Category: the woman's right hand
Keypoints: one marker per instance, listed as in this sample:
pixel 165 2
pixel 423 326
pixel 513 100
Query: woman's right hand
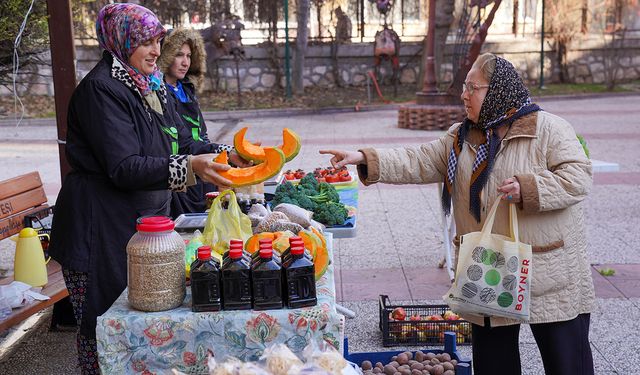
pixel 342 158
pixel 205 168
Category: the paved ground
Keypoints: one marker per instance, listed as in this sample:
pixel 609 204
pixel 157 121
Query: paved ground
pixel 398 244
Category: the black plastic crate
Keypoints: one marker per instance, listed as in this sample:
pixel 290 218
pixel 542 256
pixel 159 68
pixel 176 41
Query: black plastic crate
pixel 418 330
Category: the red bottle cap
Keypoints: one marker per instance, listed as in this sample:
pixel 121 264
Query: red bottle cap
pixel 266 253
pixel 235 242
pixel 204 252
pixel 295 239
pixel 297 250
pixel 235 253
pixel 154 224
pixel 265 241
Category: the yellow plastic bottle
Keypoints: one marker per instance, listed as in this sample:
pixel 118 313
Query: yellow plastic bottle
pixel 29 264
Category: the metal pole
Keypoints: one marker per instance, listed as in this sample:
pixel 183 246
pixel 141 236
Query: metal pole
pixel 429 82
pixel 361 21
pixel 287 66
pixel 63 55
pixel 542 49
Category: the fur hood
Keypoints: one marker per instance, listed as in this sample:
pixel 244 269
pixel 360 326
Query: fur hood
pixel 172 44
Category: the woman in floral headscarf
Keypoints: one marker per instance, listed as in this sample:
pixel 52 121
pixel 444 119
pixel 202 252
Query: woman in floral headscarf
pixel 508 148
pixel 120 126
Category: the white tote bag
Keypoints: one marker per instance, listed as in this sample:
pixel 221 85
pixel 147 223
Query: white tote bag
pixel 493 277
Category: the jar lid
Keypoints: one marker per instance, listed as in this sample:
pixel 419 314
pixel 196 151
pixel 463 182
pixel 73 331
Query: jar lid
pixel 154 224
pixel 235 242
pixel 297 250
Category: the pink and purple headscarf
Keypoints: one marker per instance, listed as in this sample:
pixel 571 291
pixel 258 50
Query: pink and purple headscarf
pixel 121 28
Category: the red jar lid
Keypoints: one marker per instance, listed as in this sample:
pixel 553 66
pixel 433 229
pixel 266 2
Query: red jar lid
pixel 297 250
pixel 235 242
pixel 154 224
pixel 235 253
pixel 204 252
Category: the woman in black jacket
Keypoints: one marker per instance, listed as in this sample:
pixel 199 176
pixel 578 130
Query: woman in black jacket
pixel 183 63
pixel 122 165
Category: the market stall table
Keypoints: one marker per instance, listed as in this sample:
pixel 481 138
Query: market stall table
pixel 131 341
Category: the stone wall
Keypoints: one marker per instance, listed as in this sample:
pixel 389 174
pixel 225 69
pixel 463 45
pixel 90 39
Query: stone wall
pixel 590 61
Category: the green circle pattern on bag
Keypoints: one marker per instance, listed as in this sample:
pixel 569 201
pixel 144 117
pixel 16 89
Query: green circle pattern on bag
pixel 487 273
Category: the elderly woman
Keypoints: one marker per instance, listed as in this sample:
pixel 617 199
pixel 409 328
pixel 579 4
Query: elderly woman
pixel 122 166
pixel 183 62
pixel 508 148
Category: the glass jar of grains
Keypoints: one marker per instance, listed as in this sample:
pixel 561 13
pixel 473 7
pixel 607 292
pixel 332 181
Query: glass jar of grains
pixel 155 264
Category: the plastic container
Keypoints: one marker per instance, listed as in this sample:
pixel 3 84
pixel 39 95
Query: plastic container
pixel 421 330
pixel 155 263
pixel 206 289
pixel 266 281
pixel 300 280
pixel 236 282
pixel 463 367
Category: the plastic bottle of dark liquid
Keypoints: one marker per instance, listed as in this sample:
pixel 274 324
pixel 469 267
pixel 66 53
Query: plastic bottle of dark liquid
pixel 234 243
pixel 300 279
pixel 287 253
pixel 255 257
pixel 236 281
pixel 266 280
pixel 205 283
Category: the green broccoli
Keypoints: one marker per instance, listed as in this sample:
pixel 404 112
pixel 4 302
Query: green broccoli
pixel 330 213
pixel 327 193
pixel 309 181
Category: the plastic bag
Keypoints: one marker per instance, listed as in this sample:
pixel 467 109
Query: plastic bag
pixel 191 251
pixel 223 224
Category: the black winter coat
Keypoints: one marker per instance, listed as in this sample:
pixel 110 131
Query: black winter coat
pixel 120 160
pixel 195 128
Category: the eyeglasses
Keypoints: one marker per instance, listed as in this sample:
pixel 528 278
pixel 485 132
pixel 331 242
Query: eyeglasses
pixel 472 87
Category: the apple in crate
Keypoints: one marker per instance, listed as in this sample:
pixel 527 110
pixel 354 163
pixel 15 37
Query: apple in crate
pixel 399 314
pixel 450 315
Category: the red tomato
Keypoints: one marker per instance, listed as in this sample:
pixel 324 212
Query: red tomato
pixel 331 178
pixel 289 176
pixel 344 178
pixel 299 174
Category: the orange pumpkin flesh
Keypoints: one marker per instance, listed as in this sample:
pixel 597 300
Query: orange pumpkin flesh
pixel 248 151
pixel 274 160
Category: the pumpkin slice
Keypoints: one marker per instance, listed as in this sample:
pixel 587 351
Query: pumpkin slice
pixel 311 241
pixel 320 236
pixel 248 151
pixel 273 162
pixel 321 262
pixel 291 144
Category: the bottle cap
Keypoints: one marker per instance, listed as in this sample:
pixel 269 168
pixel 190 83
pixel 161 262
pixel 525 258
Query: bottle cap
pixel 154 224
pixel 268 241
pixel 297 250
pixel 295 239
pixel 266 253
pixel 204 252
pixel 235 253
pixel 235 242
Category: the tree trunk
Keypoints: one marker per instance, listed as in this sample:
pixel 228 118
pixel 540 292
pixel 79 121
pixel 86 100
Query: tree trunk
pixel 455 89
pixel 302 16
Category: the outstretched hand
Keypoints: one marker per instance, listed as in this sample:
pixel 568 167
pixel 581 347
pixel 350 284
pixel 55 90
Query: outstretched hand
pixel 342 158
pixel 205 168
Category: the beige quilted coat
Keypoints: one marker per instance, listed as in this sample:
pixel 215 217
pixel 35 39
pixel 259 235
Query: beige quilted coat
pixel 542 151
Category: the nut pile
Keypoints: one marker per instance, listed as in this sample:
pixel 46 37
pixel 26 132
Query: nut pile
pixel 406 364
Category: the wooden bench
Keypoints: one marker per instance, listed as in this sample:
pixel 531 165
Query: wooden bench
pixel 23 200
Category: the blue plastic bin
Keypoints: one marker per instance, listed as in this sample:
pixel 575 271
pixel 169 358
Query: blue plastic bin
pixel 463 367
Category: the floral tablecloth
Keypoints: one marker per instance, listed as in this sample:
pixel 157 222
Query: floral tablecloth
pixel 131 341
